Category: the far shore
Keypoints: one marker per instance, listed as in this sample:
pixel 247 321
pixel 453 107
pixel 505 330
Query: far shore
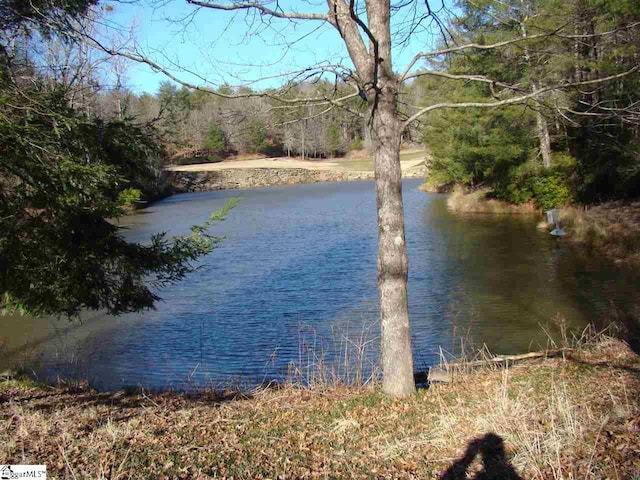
pixel 409 159
pixel 268 172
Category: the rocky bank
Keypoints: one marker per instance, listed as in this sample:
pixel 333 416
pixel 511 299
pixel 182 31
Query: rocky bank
pixel 229 179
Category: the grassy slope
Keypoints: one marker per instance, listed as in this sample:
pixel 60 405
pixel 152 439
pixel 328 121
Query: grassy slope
pixel 557 418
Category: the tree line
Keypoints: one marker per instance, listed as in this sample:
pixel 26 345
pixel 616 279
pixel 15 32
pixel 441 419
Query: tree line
pixel 197 127
pixel 578 145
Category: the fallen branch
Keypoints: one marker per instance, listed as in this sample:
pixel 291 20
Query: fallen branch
pixel 444 374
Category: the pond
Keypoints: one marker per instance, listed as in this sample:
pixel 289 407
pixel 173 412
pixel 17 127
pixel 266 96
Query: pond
pixel 295 281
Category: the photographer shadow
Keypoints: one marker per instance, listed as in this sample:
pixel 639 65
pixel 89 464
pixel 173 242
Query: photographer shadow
pixel 494 461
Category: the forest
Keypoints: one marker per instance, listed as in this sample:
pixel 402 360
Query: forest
pixel 575 146
pixel 578 145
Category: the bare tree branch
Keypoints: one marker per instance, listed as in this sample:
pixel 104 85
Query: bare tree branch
pixel 309 117
pixel 138 57
pixel 260 8
pixel 473 78
pixel 469 46
pixel 477 46
pixel 340 17
pixel 515 100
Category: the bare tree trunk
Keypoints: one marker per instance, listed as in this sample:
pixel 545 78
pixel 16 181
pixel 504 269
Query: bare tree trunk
pixel 543 128
pixel 303 127
pixel 397 359
pixel 544 139
pixel 384 130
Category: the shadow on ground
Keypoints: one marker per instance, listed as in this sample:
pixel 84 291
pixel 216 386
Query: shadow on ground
pixel 495 464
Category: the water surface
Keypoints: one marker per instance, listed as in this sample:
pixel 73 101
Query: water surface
pixel 296 276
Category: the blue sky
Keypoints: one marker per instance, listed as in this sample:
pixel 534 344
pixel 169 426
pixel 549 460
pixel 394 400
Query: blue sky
pixel 215 44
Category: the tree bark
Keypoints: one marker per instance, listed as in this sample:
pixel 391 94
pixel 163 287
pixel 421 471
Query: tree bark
pixel 543 128
pixel 544 139
pixel 385 134
pixel 385 129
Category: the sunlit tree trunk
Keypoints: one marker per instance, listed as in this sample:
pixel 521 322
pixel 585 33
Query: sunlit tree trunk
pixel 544 139
pixel 397 361
pixel 385 134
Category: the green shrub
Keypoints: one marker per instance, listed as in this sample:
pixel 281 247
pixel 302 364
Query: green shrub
pixel 334 140
pixel 129 197
pixel 258 137
pixel 547 188
pixel 551 190
pixel 563 161
pixel 356 144
pixel 517 191
pixel 215 141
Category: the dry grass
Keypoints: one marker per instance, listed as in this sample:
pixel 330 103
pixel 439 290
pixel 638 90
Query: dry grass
pixel 432 187
pixel 354 361
pixel 613 228
pixel 405 149
pixel 559 418
pixel 477 202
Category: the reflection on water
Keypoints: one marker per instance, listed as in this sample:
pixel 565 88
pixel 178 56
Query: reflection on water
pixel 298 272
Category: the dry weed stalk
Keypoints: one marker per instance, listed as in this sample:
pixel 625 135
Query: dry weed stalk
pixel 350 359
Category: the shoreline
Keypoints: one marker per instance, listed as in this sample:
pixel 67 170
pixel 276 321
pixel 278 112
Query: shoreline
pixel 267 172
pixel 243 179
pixel 579 412
pixel 611 228
pixel 476 201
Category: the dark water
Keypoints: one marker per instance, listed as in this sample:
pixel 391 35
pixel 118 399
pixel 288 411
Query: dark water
pixel 297 277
